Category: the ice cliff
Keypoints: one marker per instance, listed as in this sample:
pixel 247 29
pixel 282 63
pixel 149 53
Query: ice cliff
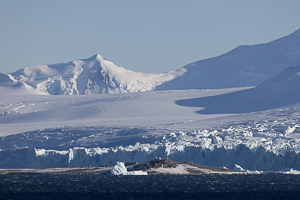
pixel 265 145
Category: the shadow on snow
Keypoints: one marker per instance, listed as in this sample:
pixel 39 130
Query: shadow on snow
pixel 250 100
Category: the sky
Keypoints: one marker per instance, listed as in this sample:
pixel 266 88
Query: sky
pixel 146 36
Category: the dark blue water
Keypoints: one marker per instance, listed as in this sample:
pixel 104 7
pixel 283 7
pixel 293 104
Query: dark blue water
pixel 96 186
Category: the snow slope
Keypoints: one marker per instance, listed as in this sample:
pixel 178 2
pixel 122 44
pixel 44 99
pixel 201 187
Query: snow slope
pixel 280 90
pixel 8 84
pixel 247 65
pixel 94 75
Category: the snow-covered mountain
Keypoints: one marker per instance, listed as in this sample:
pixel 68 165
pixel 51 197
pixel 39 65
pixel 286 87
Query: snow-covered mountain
pixel 240 67
pixel 94 75
pixel 243 66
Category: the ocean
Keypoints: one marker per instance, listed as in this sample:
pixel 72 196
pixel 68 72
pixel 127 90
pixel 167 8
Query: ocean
pixel 98 186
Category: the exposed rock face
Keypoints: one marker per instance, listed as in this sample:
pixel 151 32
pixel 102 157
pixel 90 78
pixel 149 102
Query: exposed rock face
pixel 157 163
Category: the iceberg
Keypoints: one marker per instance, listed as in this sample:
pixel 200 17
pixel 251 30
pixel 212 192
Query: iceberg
pixel 120 169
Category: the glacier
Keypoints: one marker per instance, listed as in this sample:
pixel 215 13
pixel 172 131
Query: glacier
pixel 262 145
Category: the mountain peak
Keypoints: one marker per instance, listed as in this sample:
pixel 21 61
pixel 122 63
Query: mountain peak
pixel 93 75
pixel 95 57
pixel 98 56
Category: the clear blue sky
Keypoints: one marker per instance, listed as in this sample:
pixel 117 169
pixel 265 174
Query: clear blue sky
pixel 148 36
